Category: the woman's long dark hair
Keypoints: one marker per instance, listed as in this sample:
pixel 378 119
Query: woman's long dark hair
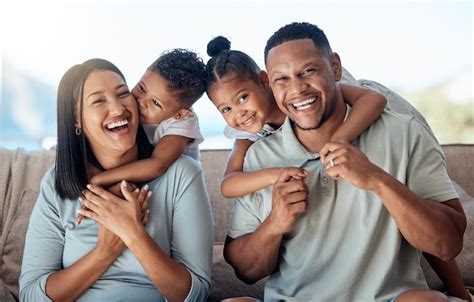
pixel 73 151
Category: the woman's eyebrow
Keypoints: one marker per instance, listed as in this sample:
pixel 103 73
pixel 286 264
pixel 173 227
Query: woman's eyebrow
pixel 102 91
pixel 94 93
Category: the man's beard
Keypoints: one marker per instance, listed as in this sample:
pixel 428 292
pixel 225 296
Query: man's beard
pixel 326 115
pixel 317 126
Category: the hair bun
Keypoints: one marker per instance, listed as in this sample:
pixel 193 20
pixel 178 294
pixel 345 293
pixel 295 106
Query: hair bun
pixel 216 45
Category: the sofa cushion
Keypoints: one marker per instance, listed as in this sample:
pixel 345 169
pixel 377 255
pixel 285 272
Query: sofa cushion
pixel 213 163
pixel 460 165
pixel 465 259
pixel 21 174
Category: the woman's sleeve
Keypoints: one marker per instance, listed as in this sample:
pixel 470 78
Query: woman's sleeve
pixel 193 229
pixel 44 244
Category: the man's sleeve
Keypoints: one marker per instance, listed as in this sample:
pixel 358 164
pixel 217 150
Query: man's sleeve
pixel 246 215
pixel 427 174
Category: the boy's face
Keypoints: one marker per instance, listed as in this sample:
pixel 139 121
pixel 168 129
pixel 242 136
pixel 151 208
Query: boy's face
pixel 157 101
pixel 244 104
pixel 303 80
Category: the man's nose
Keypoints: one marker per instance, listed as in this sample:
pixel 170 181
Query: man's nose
pixel 297 86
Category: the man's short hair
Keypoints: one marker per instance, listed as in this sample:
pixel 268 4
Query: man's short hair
pixel 296 31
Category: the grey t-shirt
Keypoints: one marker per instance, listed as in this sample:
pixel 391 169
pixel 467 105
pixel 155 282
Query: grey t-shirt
pixel 346 247
pixel 180 221
pixel 232 133
pixel 187 127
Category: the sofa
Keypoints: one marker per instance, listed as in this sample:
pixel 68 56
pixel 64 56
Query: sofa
pixel 21 172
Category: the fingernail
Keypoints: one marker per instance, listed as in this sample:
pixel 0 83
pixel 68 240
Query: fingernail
pixel 148 211
pixel 80 199
pixel 136 190
pixel 145 187
pixel 149 193
pixel 124 183
pixel 89 186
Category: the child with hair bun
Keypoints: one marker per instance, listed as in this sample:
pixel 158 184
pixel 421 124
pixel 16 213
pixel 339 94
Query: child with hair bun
pixel 240 90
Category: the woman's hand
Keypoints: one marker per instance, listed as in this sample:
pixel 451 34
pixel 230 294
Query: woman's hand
pixel 116 190
pixel 120 216
pixel 109 243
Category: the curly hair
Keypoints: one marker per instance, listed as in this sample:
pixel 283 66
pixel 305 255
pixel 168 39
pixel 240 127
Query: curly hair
pixel 184 70
pixel 296 31
pixel 225 62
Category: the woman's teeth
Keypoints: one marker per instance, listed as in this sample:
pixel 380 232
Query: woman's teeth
pixel 113 125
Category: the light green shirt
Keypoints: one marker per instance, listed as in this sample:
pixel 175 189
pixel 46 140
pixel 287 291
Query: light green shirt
pixel 346 247
pixel 180 221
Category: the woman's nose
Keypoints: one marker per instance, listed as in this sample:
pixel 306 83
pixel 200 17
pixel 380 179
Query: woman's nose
pixel 117 107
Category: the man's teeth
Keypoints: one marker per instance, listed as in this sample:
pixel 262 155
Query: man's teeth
pixel 117 124
pixel 304 105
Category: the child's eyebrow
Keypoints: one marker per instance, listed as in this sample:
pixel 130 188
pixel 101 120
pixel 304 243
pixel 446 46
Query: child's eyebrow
pixel 237 93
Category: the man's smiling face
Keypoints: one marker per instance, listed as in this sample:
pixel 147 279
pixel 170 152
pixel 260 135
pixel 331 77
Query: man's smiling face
pixel 303 80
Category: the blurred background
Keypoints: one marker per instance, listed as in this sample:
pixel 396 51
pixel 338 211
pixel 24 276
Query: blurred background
pixel 423 50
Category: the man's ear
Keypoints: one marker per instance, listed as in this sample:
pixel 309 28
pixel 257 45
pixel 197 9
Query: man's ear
pixel 336 66
pixel 182 113
pixel 263 78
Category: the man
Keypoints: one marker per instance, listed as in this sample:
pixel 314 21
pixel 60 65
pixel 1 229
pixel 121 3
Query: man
pixel 354 228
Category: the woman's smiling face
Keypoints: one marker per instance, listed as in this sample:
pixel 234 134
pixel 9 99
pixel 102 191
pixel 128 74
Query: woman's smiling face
pixel 109 113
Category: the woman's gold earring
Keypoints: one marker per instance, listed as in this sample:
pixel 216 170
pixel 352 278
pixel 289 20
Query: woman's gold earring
pixel 78 131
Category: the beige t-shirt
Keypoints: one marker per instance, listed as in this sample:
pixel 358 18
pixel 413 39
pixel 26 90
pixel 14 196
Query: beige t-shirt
pixel 346 247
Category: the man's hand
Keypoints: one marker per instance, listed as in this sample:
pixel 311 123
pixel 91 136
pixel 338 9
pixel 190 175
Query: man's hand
pixel 289 199
pixel 342 160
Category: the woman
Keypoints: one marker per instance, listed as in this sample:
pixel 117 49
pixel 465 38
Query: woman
pixel 118 254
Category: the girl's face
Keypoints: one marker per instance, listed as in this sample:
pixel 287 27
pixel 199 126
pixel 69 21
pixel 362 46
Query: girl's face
pixel 110 115
pixel 244 104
